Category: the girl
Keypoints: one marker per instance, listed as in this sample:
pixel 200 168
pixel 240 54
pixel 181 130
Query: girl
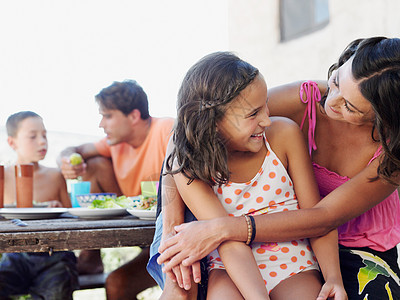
pixel 353 133
pixel 225 138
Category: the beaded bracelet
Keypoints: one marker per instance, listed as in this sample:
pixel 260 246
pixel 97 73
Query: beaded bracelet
pixel 249 229
pixel 253 228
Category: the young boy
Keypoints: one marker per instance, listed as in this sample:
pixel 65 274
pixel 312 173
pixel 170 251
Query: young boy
pixel 38 274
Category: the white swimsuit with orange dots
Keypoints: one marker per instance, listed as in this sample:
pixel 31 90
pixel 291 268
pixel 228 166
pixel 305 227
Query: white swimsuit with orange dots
pixel 270 191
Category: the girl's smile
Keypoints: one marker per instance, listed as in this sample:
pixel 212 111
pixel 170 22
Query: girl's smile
pixel 246 118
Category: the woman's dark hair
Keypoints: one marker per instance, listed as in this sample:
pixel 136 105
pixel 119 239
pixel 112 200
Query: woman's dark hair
pixel 124 96
pixel 208 86
pixel 376 67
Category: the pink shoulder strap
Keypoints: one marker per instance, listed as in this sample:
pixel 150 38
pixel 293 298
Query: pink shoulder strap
pixel 310 90
pixel 376 154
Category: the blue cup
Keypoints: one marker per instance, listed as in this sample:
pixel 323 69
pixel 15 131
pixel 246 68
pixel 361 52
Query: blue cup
pixel 79 188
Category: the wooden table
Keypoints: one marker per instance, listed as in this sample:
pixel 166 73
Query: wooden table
pixel 72 233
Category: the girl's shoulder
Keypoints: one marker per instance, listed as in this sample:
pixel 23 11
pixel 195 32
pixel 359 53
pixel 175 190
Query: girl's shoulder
pixel 281 127
pixel 282 135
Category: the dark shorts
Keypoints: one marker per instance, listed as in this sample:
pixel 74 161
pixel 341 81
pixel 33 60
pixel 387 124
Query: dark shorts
pixel 38 274
pixel 370 274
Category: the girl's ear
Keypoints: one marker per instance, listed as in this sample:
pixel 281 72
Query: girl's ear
pixel 11 142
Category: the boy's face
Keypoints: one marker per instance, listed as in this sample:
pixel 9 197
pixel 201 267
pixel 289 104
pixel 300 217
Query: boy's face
pixel 30 143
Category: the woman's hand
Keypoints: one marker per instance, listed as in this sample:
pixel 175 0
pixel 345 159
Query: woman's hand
pixel 192 242
pixel 332 290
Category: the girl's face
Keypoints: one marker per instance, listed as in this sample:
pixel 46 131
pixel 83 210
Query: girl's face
pixel 246 118
pixel 345 101
pixel 30 143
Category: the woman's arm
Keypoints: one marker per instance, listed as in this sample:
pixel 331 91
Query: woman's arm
pixel 343 204
pixel 348 201
pixel 237 257
pixel 173 213
pixel 284 100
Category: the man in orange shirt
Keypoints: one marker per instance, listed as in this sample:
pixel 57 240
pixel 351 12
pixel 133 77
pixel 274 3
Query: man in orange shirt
pixel 132 151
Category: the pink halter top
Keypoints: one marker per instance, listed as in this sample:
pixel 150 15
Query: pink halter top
pixel 379 227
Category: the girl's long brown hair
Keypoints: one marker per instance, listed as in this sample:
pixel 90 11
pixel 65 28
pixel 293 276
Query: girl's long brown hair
pixel 208 86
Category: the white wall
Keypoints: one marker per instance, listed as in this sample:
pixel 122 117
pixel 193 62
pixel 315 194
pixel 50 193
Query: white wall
pixel 254 35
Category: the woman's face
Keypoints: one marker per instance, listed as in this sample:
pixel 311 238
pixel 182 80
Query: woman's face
pixel 345 101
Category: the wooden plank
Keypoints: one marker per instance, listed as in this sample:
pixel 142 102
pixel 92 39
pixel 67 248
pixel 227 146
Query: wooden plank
pixel 73 223
pixel 76 239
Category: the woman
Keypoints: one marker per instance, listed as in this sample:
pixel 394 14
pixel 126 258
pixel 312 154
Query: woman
pixel 355 148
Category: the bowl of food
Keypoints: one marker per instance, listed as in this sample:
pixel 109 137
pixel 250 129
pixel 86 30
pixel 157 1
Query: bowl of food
pixel 84 200
pixel 144 207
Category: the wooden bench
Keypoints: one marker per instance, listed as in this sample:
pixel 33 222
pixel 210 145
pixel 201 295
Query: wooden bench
pixel 92 281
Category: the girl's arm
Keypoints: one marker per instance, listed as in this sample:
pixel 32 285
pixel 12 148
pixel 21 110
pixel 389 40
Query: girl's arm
pixel 291 141
pixel 237 257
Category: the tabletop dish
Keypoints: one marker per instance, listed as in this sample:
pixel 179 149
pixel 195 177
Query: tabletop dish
pixel 143 214
pixel 32 213
pixel 84 200
pixel 96 213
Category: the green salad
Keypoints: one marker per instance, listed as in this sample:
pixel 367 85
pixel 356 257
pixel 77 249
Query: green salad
pixel 109 202
pixel 139 202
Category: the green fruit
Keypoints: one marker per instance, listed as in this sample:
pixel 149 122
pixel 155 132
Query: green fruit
pixel 75 159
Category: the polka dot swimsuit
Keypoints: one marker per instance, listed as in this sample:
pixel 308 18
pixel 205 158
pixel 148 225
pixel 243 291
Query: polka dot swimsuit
pixel 270 191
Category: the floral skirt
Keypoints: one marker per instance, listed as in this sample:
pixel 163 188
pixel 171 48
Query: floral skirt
pixel 369 274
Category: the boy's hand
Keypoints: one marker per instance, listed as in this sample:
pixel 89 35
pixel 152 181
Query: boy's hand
pixel 70 171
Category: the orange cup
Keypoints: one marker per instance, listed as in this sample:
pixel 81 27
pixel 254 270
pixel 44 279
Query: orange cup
pixel 24 185
pixel 1 186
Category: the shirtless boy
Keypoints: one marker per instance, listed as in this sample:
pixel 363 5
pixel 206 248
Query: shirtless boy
pixel 38 274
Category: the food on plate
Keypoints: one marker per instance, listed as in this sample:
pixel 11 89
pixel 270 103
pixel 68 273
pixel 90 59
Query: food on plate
pixel 139 202
pixel 75 159
pixel 109 202
pixel 145 202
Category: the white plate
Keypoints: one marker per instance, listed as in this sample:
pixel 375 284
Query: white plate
pixel 142 213
pixel 32 213
pixel 84 212
pixel 35 204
